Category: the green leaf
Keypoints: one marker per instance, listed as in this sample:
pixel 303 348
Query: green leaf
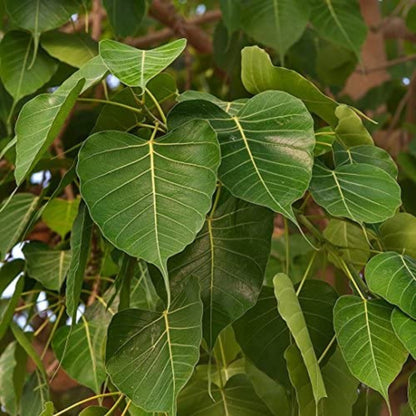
pixel 94 411
pixel 411 392
pixel 16 50
pixel 290 310
pixel 277 24
pixel 150 197
pixel 125 16
pixel 393 277
pixel 361 192
pixel 399 234
pixel 324 137
pixel 405 328
pixel 350 129
pixel 259 74
pixel 35 395
pixel 340 21
pixel 7 307
pixel 38 16
pixel 48 409
pixel 80 244
pixel 150 356
pixel 231 14
pixel 47 266
pixel 10 363
pixel 59 215
pixel 267 147
pixel 75 49
pixel 236 398
pixel 136 67
pixel 48 113
pixel 229 257
pixel 350 241
pixel 9 271
pixel 80 351
pixel 368 343
pixel 370 155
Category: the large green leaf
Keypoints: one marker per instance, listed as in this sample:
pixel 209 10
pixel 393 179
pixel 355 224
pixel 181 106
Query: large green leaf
pixel 393 277
pixel 361 192
pixel 368 343
pixel 125 16
pixel 80 244
pixel 80 351
pixel 150 356
pixel 405 329
pixel 229 257
pixel 38 16
pixel 264 336
pixel 340 21
pixel 75 49
pixel 399 234
pixel 236 398
pixel 9 271
pixel 350 241
pixel 47 112
pixel 259 74
pixel 277 24
pixel 136 67
pixel 16 49
pixel 14 218
pixel 59 215
pixel 47 266
pixel 267 147
pixel 290 310
pixel 35 395
pixel 150 197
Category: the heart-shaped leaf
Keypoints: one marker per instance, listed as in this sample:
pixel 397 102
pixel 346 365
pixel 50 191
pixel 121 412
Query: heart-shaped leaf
pixel 393 277
pixel 259 74
pixel 291 311
pixel 361 192
pixel 368 343
pixel 136 67
pixel 229 257
pixel 267 147
pixel 151 352
pixel 150 197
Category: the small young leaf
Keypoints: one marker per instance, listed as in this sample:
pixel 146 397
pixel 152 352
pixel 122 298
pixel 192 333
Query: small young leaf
pixel 136 67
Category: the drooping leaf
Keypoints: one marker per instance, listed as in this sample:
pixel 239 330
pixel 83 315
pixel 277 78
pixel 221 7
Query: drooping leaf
pixel 291 311
pixel 11 361
pixel 35 395
pixel 350 241
pixel 80 244
pixel 229 257
pixel 259 74
pixel 150 197
pixel 7 307
pixel 83 358
pixel 151 352
pixel 405 328
pixel 361 192
pixel 350 129
pixel 59 215
pixel 368 343
pixel 370 155
pixel 231 14
pixel 9 271
pixel 267 147
pixel 411 392
pixel 277 24
pixel 393 277
pixel 136 67
pixel 47 112
pixel 38 16
pixel 399 234
pixel 236 398
pixel 125 15
pixel 340 21
pixel 75 49
pixel 16 50
pixel 47 266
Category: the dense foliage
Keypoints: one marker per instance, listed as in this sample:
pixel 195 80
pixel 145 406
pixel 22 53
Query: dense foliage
pixel 200 215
